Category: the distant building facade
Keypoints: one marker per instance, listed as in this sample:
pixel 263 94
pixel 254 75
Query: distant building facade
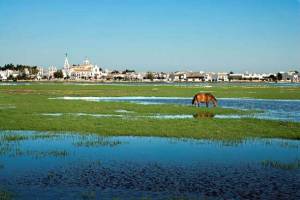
pixel 86 70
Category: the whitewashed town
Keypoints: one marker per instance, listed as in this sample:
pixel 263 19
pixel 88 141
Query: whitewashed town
pixel 91 72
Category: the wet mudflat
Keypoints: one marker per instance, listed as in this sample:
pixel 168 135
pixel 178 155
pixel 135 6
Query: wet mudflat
pixel 72 166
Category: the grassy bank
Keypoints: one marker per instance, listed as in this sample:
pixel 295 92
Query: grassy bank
pixel 22 108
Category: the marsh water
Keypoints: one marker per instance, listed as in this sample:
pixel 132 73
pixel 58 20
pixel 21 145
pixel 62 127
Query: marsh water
pixel 38 165
pixel 285 110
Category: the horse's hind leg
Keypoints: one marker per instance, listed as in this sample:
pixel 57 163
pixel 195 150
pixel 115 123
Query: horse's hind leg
pixel 206 104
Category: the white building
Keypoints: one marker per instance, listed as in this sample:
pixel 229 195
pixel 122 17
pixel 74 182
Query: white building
pixel 3 76
pixel 210 77
pixel 222 76
pixel 66 68
pixel 86 70
pixel 178 76
pixel 40 73
pixel 195 77
pixel 49 73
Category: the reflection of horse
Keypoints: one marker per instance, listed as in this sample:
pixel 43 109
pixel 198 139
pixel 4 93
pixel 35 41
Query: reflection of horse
pixel 204 98
pixel 201 115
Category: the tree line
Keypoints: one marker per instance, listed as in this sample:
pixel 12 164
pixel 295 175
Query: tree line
pixel 31 72
pixel 18 67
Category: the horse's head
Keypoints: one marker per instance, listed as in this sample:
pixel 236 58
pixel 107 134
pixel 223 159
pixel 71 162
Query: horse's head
pixel 215 102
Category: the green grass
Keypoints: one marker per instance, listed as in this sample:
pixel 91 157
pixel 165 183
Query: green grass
pixel 13 138
pixel 5 195
pixel 280 165
pixel 219 90
pixel 32 101
pixel 98 142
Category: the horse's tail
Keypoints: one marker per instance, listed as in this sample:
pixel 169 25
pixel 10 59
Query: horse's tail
pixel 194 99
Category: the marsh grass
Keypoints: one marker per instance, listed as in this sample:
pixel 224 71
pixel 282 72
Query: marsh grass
pixel 5 195
pixel 42 154
pixel 289 145
pixel 88 195
pixel 43 136
pixel 8 137
pixel 4 148
pixel 281 165
pixel 219 90
pixel 13 150
pixel 14 138
pixel 97 143
pixel 33 100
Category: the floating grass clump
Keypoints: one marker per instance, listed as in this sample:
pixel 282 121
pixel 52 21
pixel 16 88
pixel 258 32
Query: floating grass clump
pixel 98 142
pixel 7 137
pixel 280 165
pixel 41 154
pixel 5 195
pixel 14 138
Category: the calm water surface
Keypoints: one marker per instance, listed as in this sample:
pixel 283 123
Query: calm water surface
pixel 36 165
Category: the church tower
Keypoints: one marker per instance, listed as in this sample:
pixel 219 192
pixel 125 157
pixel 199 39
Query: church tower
pixel 66 65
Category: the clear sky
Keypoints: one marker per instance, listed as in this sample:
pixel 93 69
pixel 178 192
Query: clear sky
pixel 153 35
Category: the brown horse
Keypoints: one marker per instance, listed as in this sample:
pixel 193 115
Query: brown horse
pixel 204 98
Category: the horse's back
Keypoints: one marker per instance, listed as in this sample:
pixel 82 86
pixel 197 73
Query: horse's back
pixel 201 97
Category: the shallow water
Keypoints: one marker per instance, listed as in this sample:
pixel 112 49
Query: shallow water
pixel 71 166
pixel 157 116
pixel 285 110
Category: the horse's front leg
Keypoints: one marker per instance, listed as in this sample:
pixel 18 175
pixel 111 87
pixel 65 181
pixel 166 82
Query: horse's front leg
pixel 206 104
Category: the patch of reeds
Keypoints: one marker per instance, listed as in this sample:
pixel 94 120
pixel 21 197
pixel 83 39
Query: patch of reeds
pixel 281 165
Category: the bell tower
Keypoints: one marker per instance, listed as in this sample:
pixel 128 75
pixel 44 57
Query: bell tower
pixel 66 65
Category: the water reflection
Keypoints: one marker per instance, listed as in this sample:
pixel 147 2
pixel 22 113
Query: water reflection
pixel 201 115
pixel 73 166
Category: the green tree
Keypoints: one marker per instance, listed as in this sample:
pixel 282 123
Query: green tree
pixel 279 76
pixel 273 78
pixel 128 71
pixel 34 70
pixel 58 74
pixel 150 76
pixel 8 66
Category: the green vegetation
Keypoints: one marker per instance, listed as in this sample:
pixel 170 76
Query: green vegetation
pixel 58 74
pixel 41 154
pixel 32 101
pixel 219 90
pixel 16 138
pixel 98 142
pixel 5 195
pixel 26 72
pixel 88 195
pixel 11 138
pixel 280 165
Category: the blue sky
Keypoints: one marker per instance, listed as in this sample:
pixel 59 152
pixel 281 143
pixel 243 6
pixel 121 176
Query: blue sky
pixel 157 35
